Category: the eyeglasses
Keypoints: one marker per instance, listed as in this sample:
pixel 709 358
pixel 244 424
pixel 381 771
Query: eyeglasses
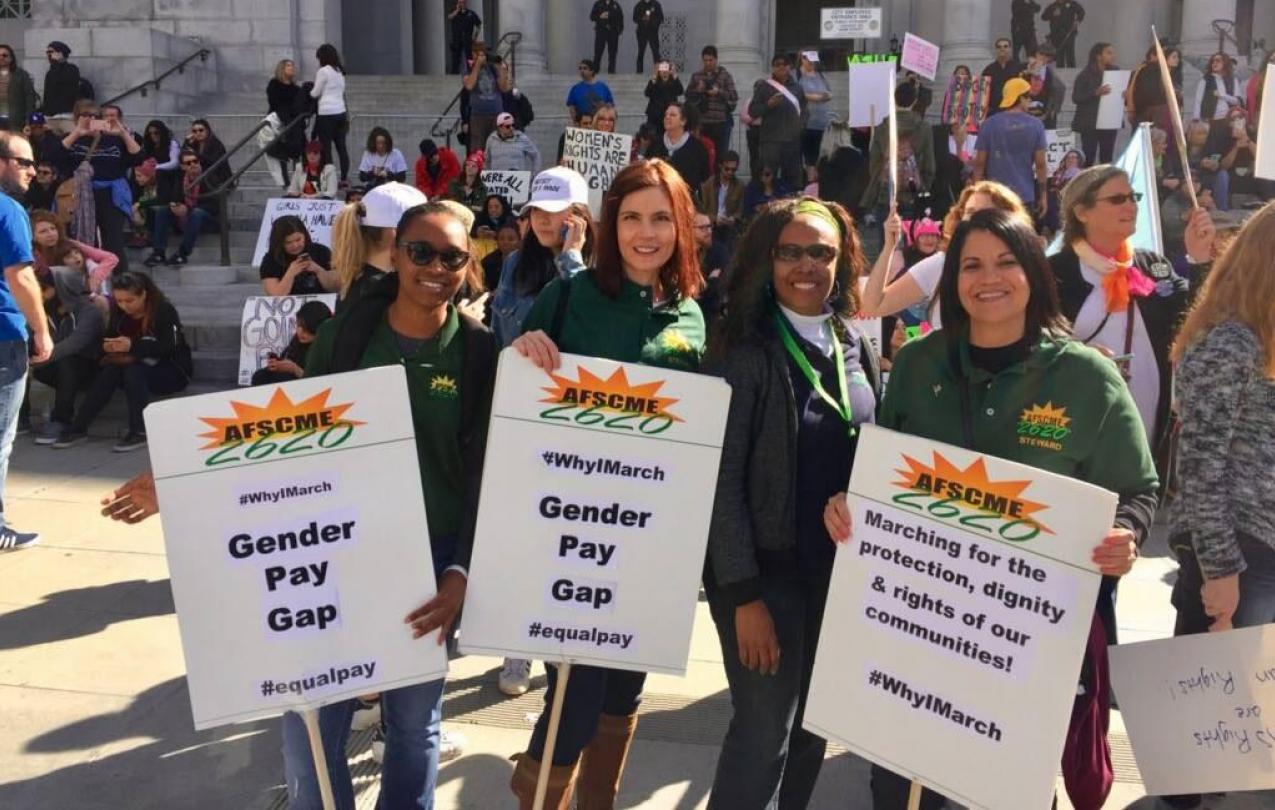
pixel 704 227
pixel 793 253
pixel 1121 199
pixel 423 254
pixel 25 163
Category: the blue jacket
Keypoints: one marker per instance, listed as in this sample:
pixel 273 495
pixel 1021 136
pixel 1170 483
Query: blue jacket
pixel 508 308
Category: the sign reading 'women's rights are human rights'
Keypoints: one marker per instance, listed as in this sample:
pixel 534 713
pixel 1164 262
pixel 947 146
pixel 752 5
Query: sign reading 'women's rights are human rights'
pixel 596 501
pixel 958 614
pixel 283 508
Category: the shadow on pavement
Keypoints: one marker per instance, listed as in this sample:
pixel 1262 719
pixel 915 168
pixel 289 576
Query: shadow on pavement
pixel 35 624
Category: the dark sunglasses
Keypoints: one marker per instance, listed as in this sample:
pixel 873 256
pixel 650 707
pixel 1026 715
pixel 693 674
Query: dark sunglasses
pixel 793 253
pixel 25 163
pixel 1121 199
pixel 423 254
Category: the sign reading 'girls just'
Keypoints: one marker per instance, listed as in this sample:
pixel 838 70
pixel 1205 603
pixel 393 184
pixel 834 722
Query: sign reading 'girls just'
pixel 596 501
pixel 283 507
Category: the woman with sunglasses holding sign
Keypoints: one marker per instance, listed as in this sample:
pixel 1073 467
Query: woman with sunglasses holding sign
pixel 803 378
pixel 408 319
pixel 635 305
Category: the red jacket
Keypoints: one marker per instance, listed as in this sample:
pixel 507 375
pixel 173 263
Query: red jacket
pixel 448 170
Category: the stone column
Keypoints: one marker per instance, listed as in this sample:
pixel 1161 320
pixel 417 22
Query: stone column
pixel 431 40
pixel 739 43
pixel 967 39
pixel 569 38
pixel 1198 37
pixel 528 17
pixel 1131 34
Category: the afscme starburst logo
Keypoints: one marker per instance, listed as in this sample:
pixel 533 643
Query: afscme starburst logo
pixel 280 426
pixel 611 402
pixel 948 490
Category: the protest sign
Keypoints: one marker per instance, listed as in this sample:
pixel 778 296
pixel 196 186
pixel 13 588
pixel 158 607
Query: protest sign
pixel 283 507
pixel 1058 143
pixel 1111 106
pixel 317 215
pixel 1265 166
pixel 958 614
pixel 871 92
pixel 599 157
pixel 513 186
pixel 268 324
pixel 849 23
pixel 1198 710
pixel 596 500
pixel 920 56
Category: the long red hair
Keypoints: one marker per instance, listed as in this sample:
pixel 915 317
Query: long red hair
pixel 682 274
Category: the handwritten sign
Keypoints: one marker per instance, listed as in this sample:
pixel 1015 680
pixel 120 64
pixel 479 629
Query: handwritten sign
pixel 283 508
pixel 920 56
pixel 318 216
pixel 1200 710
pixel 871 89
pixel 598 157
pixel 1265 166
pixel 267 327
pixel 1111 106
pixel 594 513
pixel 957 616
pixel 1058 142
pixel 515 187
pixel 849 23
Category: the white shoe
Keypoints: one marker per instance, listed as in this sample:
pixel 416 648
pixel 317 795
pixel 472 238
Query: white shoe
pixel 366 715
pixel 450 745
pixel 515 677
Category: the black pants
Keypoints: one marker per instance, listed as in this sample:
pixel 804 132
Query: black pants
pixel 67 377
pixel 1099 145
pixel 1066 46
pixel 811 140
pixel 264 376
pixel 139 382
pixel 753 138
pixel 591 693
pixel 331 130
pixel 784 157
pixel 1025 39
pixel 718 133
pixel 605 40
pixel 461 52
pixel 110 224
pixel 645 38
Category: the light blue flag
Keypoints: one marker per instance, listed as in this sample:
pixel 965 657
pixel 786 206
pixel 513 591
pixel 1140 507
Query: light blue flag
pixel 1138 161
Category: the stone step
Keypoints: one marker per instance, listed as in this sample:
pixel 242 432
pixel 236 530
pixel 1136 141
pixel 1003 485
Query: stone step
pixel 216 366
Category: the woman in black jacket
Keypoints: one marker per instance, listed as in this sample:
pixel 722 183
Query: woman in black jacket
pixel 663 89
pixel 803 377
pixel 286 99
pixel 680 146
pixel 21 99
pixel 1099 144
pixel 145 353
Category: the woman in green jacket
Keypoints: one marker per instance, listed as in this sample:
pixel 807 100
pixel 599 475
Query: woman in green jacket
pixel 637 305
pixel 1005 352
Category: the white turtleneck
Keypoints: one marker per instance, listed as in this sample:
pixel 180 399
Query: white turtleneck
pixel 812 328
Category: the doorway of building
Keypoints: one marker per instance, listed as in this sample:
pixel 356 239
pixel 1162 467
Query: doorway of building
pixel 797 29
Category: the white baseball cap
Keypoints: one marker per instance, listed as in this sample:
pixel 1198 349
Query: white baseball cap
pixel 557 189
pixel 810 56
pixel 386 203
pixel 504 118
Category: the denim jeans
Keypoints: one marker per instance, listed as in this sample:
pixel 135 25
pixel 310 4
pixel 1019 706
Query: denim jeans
pixel 139 381
pixel 591 693
pixel 195 222
pixel 413 716
pixel 767 759
pixel 13 388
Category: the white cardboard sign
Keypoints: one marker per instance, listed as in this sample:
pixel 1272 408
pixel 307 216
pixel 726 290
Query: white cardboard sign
pixel 1111 106
pixel 957 617
pixel 318 216
pixel 850 23
pixel 267 327
pixel 596 501
pixel 920 56
pixel 1265 165
pixel 599 156
pixel 871 89
pixel 1058 143
pixel 1200 710
pixel 514 186
pixel 283 509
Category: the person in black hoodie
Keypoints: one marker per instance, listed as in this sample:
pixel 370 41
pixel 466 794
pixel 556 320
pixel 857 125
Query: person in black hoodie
pixel 61 83
pixel 145 353
pixel 663 89
pixel 77 326
pixel 291 364
pixel 608 24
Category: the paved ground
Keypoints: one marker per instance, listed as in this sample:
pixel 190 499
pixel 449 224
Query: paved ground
pixel 94 711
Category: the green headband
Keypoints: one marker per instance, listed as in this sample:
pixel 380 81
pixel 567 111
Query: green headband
pixel 817 209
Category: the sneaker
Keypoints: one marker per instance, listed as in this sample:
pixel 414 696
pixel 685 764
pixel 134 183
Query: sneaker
pixel 378 743
pixel 49 433
pixel 366 714
pixel 157 257
pixel 177 260
pixel 16 541
pixel 515 677
pixel 450 745
pixel 133 440
pixel 70 438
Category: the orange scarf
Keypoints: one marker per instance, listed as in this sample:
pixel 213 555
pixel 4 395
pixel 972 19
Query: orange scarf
pixel 1120 279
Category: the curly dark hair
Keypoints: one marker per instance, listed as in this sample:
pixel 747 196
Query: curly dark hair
pixel 750 291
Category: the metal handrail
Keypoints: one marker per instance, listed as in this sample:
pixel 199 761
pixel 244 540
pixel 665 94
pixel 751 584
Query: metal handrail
pixel 222 192
pixel 202 55
pixel 510 38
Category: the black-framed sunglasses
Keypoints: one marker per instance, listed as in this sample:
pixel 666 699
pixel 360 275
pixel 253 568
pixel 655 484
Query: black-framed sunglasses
pixel 25 163
pixel 793 253
pixel 1121 199
pixel 423 254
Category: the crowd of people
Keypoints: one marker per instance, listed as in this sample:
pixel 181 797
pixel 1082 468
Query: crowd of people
pixel 770 284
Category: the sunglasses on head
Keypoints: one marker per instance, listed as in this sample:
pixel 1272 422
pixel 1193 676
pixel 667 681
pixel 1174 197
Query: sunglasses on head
pixel 423 254
pixel 792 253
